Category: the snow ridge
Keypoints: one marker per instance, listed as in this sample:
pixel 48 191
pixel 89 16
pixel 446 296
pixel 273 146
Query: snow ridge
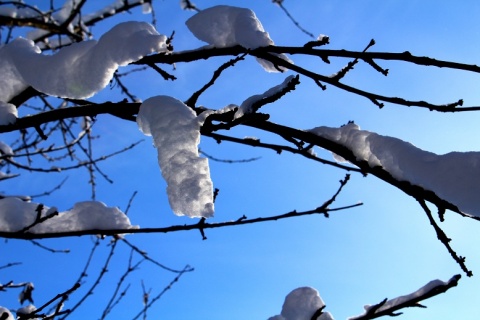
pixel 79 70
pixel 453 177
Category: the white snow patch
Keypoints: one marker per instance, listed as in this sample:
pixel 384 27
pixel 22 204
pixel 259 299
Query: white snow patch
pixel 409 297
pixel 176 133
pixel 301 304
pixel 79 70
pixel 16 214
pixel 9 314
pixel 26 310
pixel 226 26
pixel 8 112
pixel 18 12
pixel 454 177
pixel 5 149
pixel 246 106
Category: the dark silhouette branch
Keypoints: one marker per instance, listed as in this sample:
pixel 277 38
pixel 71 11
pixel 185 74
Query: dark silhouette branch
pixel 186 227
pixel 444 239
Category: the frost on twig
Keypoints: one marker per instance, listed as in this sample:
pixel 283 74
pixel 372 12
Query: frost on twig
pixel 176 133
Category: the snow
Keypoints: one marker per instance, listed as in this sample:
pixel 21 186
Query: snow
pixel 116 5
pixel 246 106
pixel 16 214
pixel 454 176
pixel 5 149
pixel 8 113
pixel 79 70
pixel 5 310
pixel 226 26
pixel 176 133
pixel 409 297
pixel 27 310
pixel 18 12
pixel 301 304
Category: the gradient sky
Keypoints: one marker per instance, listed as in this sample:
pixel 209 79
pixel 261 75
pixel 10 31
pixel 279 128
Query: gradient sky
pixel 385 248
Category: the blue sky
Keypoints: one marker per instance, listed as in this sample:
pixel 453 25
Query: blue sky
pixel 383 249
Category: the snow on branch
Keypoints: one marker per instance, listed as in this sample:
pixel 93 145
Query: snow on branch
pixel 453 177
pixel 388 307
pixel 303 303
pixel 79 70
pixel 20 216
pixel 226 26
pixel 253 103
pixel 176 133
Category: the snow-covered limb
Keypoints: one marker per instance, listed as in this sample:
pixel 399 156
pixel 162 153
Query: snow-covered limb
pixel 226 26
pixel 252 103
pixel 453 177
pixel 176 133
pixel 388 307
pixel 17 215
pixel 79 70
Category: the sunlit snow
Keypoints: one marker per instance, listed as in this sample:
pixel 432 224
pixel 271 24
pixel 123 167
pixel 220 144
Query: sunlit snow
pixel 176 133
pixel 9 315
pixel 226 26
pixel 8 113
pixel 454 177
pixel 246 106
pixel 79 70
pixel 16 214
pixel 409 297
pixel 301 304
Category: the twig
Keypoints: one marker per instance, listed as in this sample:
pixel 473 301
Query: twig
pixel 36 243
pixel 444 239
pixel 227 160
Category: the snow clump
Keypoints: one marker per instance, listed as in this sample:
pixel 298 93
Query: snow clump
pixel 79 70
pixel 226 26
pixel 301 304
pixel 176 134
pixel 16 215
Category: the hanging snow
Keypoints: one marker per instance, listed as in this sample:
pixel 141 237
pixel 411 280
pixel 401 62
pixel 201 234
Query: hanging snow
pixel 225 26
pixel 454 177
pixel 301 304
pixel 79 70
pixel 176 133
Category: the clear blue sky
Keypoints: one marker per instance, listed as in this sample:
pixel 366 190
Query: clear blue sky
pixel 383 249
